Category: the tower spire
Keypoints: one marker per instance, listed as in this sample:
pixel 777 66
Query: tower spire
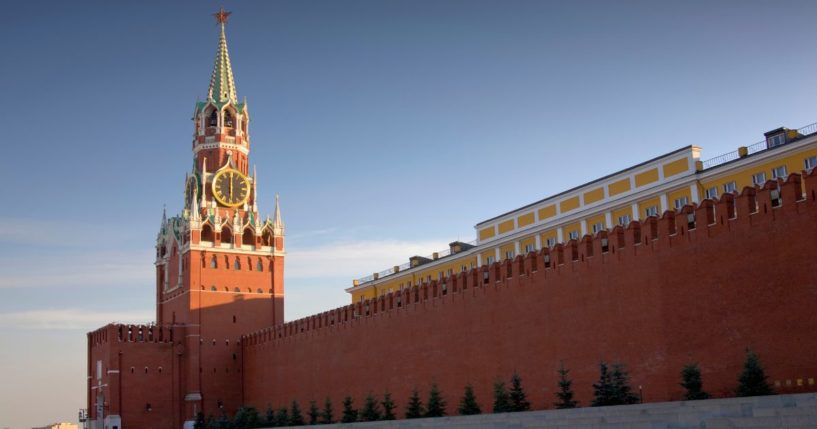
pixel 277 222
pixel 222 85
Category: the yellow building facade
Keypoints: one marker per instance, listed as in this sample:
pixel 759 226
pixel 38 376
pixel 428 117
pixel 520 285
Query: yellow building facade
pixel 650 188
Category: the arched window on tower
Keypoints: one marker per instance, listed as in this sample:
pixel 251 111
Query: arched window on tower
pixel 212 120
pixel 259 266
pixel 237 263
pixel 227 262
pixel 248 239
pixel 228 119
pixel 207 233
pixel 266 238
pixel 213 262
pixel 226 236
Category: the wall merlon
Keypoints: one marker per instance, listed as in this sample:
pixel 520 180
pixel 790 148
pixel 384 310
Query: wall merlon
pixel 687 226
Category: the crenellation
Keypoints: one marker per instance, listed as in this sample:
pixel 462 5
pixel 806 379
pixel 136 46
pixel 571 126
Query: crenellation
pixel 687 226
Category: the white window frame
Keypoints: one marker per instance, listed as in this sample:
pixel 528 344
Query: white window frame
pixel 651 211
pixel 712 192
pixel 509 254
pixel 624 220
pixel 529 248
pixel 810 162
pixel 598 227
pixel 550 242
pixel 777 140
pixel 757 176
pixel 681 202
pixel 490 260
pixel 573 235
pixel 730 187
pixel 777 170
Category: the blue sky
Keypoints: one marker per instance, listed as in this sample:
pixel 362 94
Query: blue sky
pixel 388 128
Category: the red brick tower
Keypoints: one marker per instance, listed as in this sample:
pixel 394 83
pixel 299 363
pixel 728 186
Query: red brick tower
pixel 219 275
pixel 219 266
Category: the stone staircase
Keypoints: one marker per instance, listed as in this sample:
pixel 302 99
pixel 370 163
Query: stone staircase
pixel 780 411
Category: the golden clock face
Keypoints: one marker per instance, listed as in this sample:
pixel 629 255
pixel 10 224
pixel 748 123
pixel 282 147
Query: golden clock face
pixel 231 188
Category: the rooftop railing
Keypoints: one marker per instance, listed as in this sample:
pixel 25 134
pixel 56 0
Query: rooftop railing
pixel 756 148
pixel 393 270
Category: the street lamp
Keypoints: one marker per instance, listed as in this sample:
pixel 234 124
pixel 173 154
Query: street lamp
pixel 82 416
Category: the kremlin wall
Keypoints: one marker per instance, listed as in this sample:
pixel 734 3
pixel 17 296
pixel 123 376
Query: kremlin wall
pixel 701 284
pixel 633 268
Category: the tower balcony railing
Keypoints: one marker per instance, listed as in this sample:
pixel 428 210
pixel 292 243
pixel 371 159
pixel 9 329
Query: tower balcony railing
pixel 758 147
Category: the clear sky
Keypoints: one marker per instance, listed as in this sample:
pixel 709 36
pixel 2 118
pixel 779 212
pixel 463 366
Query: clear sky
pixel 388 128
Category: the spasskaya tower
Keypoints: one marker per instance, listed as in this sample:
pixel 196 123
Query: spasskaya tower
pixel 219 275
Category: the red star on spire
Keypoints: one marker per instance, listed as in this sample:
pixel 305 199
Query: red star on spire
pixel 222 15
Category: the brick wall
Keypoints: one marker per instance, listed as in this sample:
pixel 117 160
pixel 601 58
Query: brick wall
pixel 699 285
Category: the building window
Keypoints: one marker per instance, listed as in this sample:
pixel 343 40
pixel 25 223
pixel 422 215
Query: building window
pixel 509 254
pixel 777 140
pixel 651 211
pixel 730 187
pixel 759 178
pixel 712 193
pixel 213 262
pixel 681 202
pixel 259 290
pixel 237 264
pixel 573 235
pixel 237 290
pixel 597 227
pixel 624 220
pixel 490 260
pixel 779 172
pixel 464 268
pixel 212 288
pixel 550 242
pixel 529 248
pixel 450 272
pixel 811 162
pixel 259 266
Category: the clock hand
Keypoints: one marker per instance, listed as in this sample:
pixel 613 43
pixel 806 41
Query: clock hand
pixel 231 186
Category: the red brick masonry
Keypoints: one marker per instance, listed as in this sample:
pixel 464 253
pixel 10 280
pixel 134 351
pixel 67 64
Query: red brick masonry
pixel 698 285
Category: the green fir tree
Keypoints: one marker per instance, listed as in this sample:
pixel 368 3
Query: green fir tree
pixel 565 393
pixel 468 403
pixel 349 413
pixel 246 418
pixel 371 409
pixel 622 392
pixel 313 413
pixel 295 416
pixel 327 415
pixel 502 401
pixel 603 391
pixel 282 417
pixel 753 380
pixel 519 400
pixel 414 409
pixel 201 422
pixel 211 423
pixel 692 382
pixel 388 407
pixel 436 403
pixel 270 416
